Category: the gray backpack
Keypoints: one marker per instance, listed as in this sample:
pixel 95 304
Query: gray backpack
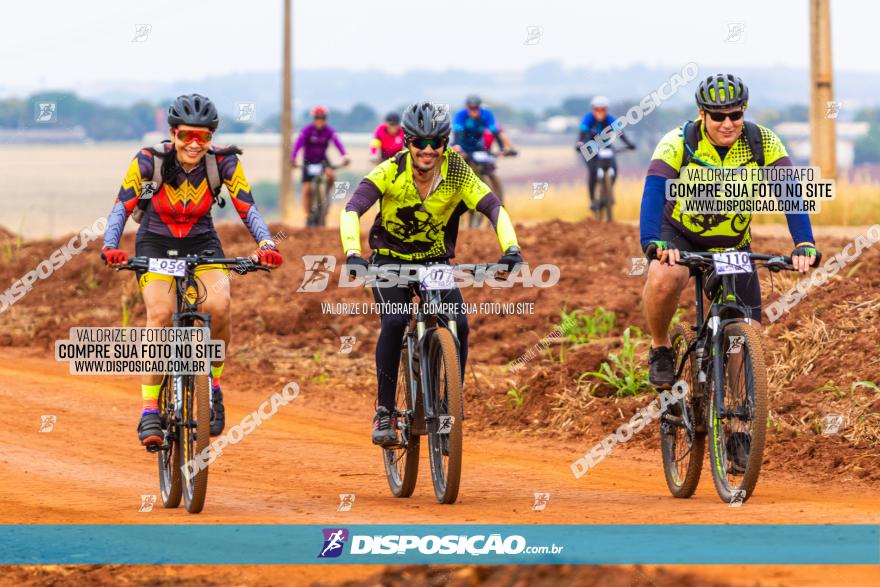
pixel 160 151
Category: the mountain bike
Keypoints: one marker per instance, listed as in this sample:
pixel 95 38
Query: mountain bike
pixel 602 202
pixel 429 393
pixel 722 362
pixel 321 193
pixel 483 163
pixel 185 400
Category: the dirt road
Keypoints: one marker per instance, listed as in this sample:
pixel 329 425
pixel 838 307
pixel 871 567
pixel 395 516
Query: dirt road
pixel 89 469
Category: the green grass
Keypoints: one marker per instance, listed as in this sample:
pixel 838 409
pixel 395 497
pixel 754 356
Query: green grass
pixel 623 371
pixel 580 327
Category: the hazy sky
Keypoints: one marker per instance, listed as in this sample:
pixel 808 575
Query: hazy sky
pixel 57 43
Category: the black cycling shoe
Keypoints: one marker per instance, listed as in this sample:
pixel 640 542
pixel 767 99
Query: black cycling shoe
pixel 739 444
pixel 150 429
pixel 661 368
pixel 218 412
pixel 384 427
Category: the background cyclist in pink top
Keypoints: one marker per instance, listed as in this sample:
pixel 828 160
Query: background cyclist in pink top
pixel 388 139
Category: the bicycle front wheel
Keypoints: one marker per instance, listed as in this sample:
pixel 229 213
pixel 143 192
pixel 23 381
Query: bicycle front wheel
pixel 195 438
pixel 738 426
pixel 445 431
pixel 169 457
pixel 402 461
pixel 607 195
pixel 682 428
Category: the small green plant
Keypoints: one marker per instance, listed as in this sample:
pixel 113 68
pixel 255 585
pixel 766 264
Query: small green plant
pixel 580 327
pixel 623 371
pixel 868 384
pixel 516 396
pixel 554 358
pixel 830 390
pixel 321 377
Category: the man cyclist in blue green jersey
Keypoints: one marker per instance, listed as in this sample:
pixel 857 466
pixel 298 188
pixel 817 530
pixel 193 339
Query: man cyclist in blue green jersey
pixel 722 138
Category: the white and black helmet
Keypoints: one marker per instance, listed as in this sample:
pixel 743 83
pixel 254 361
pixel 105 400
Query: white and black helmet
pixel 426 120
pixel 193 110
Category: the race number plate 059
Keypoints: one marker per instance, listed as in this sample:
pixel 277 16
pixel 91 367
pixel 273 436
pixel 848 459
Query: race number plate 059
pixel 173 267
pixel 315 168
pixel 732 262
pixel 437 277
pixel 481 156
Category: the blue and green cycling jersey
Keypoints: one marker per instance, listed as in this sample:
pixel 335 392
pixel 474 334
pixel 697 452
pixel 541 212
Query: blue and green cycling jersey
pixel 715 232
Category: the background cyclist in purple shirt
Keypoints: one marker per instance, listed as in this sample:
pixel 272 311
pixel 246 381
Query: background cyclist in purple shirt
pixel 313 140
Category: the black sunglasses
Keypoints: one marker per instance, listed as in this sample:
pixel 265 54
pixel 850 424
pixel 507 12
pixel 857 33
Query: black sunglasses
pixel 720 116
pixel 435 143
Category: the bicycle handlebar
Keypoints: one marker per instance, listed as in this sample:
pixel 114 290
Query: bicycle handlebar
pixel 240 265
pixel 774 263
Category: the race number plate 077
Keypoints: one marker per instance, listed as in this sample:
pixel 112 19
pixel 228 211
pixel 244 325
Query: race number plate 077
pixel 732 262
pixel 437 277
pixel 173 267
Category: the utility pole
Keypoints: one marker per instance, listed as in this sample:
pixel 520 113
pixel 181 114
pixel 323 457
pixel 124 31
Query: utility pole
pixel 285 196
pixel 823 140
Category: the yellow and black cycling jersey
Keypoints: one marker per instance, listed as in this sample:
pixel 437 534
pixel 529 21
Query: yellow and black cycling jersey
pixel 411 228
pixel 714 231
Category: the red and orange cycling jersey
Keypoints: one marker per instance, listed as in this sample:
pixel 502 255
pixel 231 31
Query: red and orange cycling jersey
pixel 182 206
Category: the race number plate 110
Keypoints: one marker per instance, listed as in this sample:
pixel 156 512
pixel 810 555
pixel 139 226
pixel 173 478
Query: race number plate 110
pixel 173 267
pixel 732 262
pixel 437 277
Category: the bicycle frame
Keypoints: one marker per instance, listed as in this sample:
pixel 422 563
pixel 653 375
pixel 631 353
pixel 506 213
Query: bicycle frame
pixel 186 316
pixel 713 330
pixel 416 343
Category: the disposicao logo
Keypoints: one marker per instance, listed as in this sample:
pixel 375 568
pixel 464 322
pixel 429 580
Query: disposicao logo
pixel 334 540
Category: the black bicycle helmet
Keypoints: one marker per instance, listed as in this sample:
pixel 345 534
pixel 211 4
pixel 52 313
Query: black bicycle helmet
pixel 392 118
pixel 721 92
pixel 473 100
pixel 426 120
pixel 193 110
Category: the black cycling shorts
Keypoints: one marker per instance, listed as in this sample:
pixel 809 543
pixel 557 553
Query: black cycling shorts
pixel 306 176
pixel 150 244
pixel 747 287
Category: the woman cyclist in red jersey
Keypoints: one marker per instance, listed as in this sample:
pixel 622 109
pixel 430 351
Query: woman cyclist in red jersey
pixel 178 216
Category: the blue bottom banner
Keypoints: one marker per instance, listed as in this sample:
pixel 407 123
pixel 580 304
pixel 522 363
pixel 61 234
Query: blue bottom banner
pixel 438 544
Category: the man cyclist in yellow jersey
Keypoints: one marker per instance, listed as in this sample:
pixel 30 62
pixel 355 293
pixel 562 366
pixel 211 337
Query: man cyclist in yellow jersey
pixel 719 137
pixel 422 193
pixel 178 217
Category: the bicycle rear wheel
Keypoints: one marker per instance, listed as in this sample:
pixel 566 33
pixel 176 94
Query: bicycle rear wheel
pixel 682 431
pixel 445 432
pixel 737 429
pixel 195 437
pixel 169 458
pixel 402 462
